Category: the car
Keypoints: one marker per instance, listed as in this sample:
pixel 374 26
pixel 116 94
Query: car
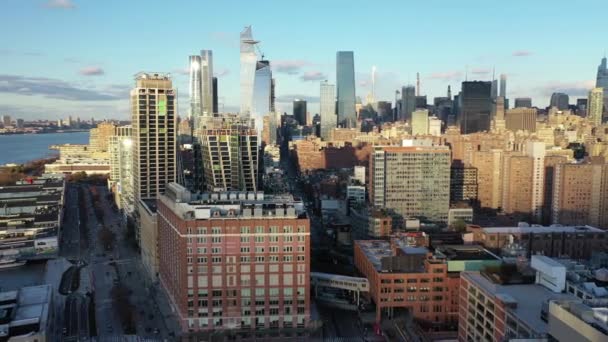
pixel 156 331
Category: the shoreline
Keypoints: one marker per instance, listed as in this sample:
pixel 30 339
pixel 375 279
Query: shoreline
pixel 43 132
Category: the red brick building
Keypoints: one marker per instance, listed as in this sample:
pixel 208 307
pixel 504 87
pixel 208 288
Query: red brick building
pixel 236 262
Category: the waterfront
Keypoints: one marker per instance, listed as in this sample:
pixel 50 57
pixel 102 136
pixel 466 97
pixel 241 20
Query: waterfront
pixel 21 148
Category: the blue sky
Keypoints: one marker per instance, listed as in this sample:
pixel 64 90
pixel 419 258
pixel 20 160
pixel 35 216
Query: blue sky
pixel 78 57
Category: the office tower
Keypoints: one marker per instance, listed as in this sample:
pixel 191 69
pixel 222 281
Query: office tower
pixel 408 102
pixel 521 118
pixel 476 107
pixel 559 100
pixel 503 85
pixel 248 68
pixel 595 106
pixel 345 89
pixel 206 70
pixel 327 109
pixel 299 111
pixel 229 152
pixel 463 183
pixel 420 122
pixel 494 89
pixel 385 111
pixel 443 107
pixel 536 151
pixel 6 120
pixel 498 120
pixel 523 102
pixel 580 194
pixel 99 137
pixel 435 126
pixel 421 102
pixel 215 90
pixel 602 78
pixel 121 169
pixel 261 94
pixel 272 95
pixel 414 181
pixel 154 125
pixel 243 265
pixel 581 107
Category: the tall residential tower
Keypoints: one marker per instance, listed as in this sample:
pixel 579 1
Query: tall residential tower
pixel 154 127
pixel 327 109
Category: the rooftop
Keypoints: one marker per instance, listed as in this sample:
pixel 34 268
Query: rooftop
pixel 464 252
pixel 524 301
pixel 527 229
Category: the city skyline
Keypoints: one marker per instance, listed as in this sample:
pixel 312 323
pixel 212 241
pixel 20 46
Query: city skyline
pixel 46 77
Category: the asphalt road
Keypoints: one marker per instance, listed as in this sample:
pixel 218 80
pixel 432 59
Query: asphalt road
pixel 76 318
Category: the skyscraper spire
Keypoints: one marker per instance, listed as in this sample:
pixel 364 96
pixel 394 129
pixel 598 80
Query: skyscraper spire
pixel 449 92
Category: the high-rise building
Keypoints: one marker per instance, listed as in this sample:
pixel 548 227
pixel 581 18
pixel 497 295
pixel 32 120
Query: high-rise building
pixel 345 89
pixel 560 100
pixel 20 123
pixel 524 102
pixel 243 265
pixel 215 103
pixel 327 109
pixel 602 79
pixel 595 106
pixel 521 118
pixel 269 134
pixel 248 68
pixel 261 94
pixel 206 71
pixel 408 102
pixel 421 102
pixel 420 122
pixel 154 127
pixel 414 181
pixel 196 94
pixel 476 106
pixel 229 153
pixel 99 137
pixel 498 120
pixel 299 111
pixel 463 183
pixel 580 194
pixel 494 89
pixel 489 177
pixel 581 107
pixel 121 169
pixel 551 163
pixel 272 95
pixel 435 126
pixel 503 86
pixel 6 120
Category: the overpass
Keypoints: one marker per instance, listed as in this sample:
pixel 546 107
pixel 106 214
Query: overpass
pixel 336 281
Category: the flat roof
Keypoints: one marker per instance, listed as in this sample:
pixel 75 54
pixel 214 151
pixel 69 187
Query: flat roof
pixel 529 299
pixel 375 250
pixel 542 229
pixel 465 252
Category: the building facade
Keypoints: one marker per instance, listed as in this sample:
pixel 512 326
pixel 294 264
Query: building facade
pixel 345 89
pixel 327 109
pixel 522 118
pixel 154 127
pixel 476 106
pixel 234 262
pixel 413 181
pixel 229 152
pixel 595 106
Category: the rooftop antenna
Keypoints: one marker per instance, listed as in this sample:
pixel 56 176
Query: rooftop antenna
pixel 466 73
pixel 417 84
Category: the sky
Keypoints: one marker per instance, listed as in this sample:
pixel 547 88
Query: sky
pixel 78 57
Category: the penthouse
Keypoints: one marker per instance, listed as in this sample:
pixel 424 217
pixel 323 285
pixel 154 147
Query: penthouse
pixel 575 242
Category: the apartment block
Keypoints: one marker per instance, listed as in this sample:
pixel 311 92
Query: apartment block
pixel 521 119
pixel 580 194
pixel 234 261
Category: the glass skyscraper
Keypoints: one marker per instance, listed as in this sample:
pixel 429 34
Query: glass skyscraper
pixel 476 106
pixel 207 82
pixel 195 87
pixel 345 81
pixel 602 78
pixel 327 108
pixel 261 94
pixel 408 102
pixel 248 68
